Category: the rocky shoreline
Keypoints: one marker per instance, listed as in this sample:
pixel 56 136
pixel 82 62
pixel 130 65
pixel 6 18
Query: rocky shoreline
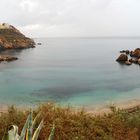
pixel 129 57
pixel 7 58
pixel 12 38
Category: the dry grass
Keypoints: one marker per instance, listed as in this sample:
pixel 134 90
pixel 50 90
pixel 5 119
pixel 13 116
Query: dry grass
pixel 79 125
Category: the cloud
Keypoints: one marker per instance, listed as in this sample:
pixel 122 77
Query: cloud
pixel 28 5
pixel 51 18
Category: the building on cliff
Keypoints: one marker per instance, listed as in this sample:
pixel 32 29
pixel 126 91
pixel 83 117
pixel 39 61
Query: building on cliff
pixel 5 26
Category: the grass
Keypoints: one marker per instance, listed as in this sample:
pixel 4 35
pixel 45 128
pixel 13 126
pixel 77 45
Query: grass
pixel 78 125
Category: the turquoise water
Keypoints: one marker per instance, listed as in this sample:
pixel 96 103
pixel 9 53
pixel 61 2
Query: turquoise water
pixel 79 72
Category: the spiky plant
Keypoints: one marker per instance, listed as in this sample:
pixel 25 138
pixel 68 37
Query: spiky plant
pixel 28 132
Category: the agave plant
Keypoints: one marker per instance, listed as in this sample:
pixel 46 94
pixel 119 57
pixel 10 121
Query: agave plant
pixel 28 132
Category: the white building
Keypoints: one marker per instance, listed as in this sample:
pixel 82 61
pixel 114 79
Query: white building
pixel 5 26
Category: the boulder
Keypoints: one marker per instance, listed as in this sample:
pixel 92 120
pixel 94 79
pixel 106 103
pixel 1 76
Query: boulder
pixel 122 58
pixel 128 62
pixel 134 60
pixel 135 53
pixel 125 51
pixel 39 43
pixel 139 61
pixel 131 53
pixel 7 58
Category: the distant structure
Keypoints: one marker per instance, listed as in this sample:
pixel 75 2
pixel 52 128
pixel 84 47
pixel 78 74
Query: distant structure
pixel 5 26
pixel 8 26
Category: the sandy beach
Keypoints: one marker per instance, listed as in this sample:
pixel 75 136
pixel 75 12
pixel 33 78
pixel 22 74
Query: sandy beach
pixel 127 105
pixel 121 105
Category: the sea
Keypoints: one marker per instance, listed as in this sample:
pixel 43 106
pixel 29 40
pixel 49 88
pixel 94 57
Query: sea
pixel 80 72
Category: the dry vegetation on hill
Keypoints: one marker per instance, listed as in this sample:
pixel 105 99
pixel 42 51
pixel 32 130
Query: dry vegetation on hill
pixel 12 38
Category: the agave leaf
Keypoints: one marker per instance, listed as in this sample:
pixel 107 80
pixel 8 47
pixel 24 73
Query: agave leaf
pixel 5 137
pixel 29 129
pixel 12 133
pixel 35 120
pixel 51 136
pixel 27 135
pixel 24 130
pixel 37 131
pixel 29 126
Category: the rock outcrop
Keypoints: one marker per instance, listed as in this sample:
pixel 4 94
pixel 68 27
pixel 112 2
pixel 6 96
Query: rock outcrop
pixel 122 58
pixel 7 58
pixel 125 51
pixel 135 53
pixel 12 38
pixel 128 57
pixel 128 62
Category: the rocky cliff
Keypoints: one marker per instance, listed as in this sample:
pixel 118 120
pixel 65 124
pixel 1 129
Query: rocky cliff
pixel 12 38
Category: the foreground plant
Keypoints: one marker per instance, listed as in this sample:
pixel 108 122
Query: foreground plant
pixel 28 132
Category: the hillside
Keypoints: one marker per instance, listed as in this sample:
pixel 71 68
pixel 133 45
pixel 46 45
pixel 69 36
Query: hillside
pixel 12 38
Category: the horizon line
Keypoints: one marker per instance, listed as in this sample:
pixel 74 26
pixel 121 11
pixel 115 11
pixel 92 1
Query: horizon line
pixel 96 37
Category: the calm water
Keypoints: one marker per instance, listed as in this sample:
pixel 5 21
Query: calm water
pixel 79 72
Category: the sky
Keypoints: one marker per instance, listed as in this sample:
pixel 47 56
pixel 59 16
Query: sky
pixel 73 18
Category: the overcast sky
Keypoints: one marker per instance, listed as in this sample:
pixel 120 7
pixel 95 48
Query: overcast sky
pixel 73 18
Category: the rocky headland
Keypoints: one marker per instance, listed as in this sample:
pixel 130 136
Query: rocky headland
pixel 12 38
pixel 129 57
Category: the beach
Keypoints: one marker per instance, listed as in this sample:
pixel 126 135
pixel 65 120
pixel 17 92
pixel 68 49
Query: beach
pixel 130 106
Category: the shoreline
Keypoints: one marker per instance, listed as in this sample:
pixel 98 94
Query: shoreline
pixel 126 105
